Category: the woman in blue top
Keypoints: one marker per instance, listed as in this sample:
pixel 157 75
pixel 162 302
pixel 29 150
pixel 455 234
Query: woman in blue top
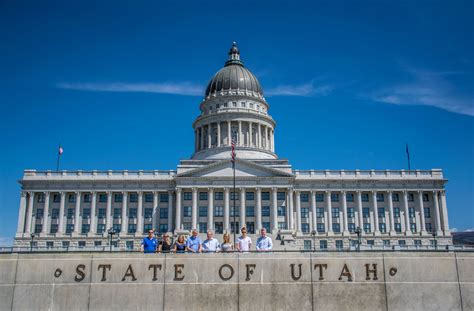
pixel 180 245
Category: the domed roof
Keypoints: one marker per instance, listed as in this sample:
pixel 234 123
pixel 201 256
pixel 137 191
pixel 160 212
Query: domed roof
pixel 234 79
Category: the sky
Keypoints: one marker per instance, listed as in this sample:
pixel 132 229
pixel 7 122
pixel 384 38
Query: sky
pixel 349 83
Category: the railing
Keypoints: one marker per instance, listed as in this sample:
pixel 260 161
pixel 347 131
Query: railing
pixel 98 174
pixel 405 174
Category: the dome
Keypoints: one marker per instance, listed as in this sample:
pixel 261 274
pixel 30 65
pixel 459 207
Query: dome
pixel 234 79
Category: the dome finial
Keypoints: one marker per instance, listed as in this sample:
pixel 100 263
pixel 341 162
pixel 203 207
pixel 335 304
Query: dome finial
pixel 234 55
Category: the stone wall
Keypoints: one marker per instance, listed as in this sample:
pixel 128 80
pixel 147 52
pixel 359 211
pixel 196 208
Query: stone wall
pixel 279 281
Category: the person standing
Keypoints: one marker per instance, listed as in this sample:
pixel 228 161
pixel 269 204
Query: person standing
pixel 149 243
pixel 210 245
pixel 165 244
pixel 227 246
pixel 244 242
pixel 194 243
pixel 264 242
pixel 180 245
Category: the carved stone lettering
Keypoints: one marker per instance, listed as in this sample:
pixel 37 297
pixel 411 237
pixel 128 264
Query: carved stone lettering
pixel 345 272
pixel 58 273
pixel 178 270
pixel 293 276
pixel 368 271
pixel 80 273
pixel 250 269
pixel 227 267
pixel 393 271
pixel 155 268
pixel 129 273
pixel 320 266
pixel 104 271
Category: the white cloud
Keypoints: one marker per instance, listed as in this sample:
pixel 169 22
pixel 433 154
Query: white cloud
pixel 305 90
pixel 454 229
pixel 6 242
pixel 183 88
pixel 428 89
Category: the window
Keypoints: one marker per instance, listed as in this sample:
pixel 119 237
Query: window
pixel 418 243
pixel 370 242
pixel 210 108
pixel 39 213
pixel 102 198
pixel 395 197
pixel 382 227
pixel 339 245
pixel 225 105
pixel 70 213
pixel 266 196
pixel 367 227
pixel 380 197
pixel 97 243
pixel 266 225
pixel 86 213
pixel 219 227
pixel 396 212
pixel 218 211
pixel 148 213
pixel 54 228
pixel 100 228
pixel 427 212
pixel 187 226
pixel 335 212
pixel 426 197
pixel 38 228
pixel 413 227
pixel 434 243
pixel 305 227
pixel 163 228
pixel 304 197
pixel 250 227
pixel 304 212
pixel 132 213
pixel 235 211
pixel 219 196
pixel 280 196
pixel 147 227
pixel 350 197
pixel 242 104
pixel 381 211
pixel 249 211
pixel 56 198
pixel 336 228
pixel 40 198
pixel 366 212
pixel 85 228
pixel 402 243
pixel 249 196
pixel 187 196
pixel 132 228
pixel 320 212
pixel 129 245
pixel 49 244
pixel 65 244
pixel 350 212
pixel 323 244
pixel 281 226
pixel 234 195
pixel 133 198
pixel 352 227
pixel 365 197
pixel 164 197
pixel 101 213
pixel 334 197
pixel 163 213
pixel 69 228
pixel 202 211
pixel 202 227
pixel 251 105
pixel 281 211
pixel 319 197
pixel 118 198
pixel 148 197
pixel 117 228
pixel 320 228
pixel 55 213
pixel 71 198
pixel 411 212
pixel 87 198
pixel 203 196
pixel 428 227
pixel 218 106
pixel 398 227
pixel 117 212
pixel 411 197
pixel 265 211
pixel 386 243
pixel 234 104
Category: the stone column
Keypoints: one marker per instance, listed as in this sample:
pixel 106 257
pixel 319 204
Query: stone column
pixel 29 214
pixel 108 211
pixel 194 211
pixel 359 210
pixel 407 214
pixel 422 212
pixel 289 212
pixel 210 209
pixel 196 136
pixel 170 211
pixel 259 133
pixel 266 138
pixel 21 214
pixel 229 133
pixel 242 208
pixel 178 210
pixel 345 229
pixel 202 137
pixel 155 214
pixel 61 213
pixel 239 135
pixel 77 211
pixel 298 211
pixel 218 134
pixel 274 210
pixel 437 214
pixel 272 138
pixel 391 216
pixel 251 134
pixel 93 228
pixel 124 223
pixel 444 213
pixel 209 136
pixel 313 211
pixel 329 211
pixel 376 213
pixel 227 209
pixel 259 209
pixel 140 213
pixel 45 228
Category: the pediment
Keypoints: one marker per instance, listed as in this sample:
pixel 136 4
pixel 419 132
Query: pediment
pixel 243 168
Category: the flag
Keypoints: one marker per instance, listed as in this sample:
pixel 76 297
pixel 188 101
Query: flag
pixel 233 150
pixel 60 150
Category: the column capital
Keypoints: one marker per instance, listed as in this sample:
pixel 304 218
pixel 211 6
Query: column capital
pixel 24 193
pixel 170 192
pixel 227 189
pixel 442 192
pixel 389 192
pixel 179 190
pixel 62 193
pixel 195 190
pixel 343 192
pixel 140 193
pixel 109 193
pixel 78 193
pixel 210 189
pixel 297 192
pixel 94 193
pixel 258 189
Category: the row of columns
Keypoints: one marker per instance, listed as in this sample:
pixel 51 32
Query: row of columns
pixel 264 135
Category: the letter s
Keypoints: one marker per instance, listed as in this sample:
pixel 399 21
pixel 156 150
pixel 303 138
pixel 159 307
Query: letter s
pixel 80 273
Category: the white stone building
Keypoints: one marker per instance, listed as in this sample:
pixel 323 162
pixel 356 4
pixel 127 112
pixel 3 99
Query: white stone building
pixel 302 208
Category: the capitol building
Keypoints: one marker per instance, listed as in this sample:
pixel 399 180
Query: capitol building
pixel 301 209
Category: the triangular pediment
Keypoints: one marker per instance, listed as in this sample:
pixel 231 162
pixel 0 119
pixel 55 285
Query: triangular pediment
pixel 243 168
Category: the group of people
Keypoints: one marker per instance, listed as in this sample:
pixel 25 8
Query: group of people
pixel 194 244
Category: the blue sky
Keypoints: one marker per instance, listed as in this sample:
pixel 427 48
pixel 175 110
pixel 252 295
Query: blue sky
pixel 349 84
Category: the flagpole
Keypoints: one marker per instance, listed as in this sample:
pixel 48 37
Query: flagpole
pixel 408 159
pixel 233 199
pixel 59 156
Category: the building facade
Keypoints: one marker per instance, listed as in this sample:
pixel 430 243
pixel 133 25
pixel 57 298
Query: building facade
pixel 301 208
